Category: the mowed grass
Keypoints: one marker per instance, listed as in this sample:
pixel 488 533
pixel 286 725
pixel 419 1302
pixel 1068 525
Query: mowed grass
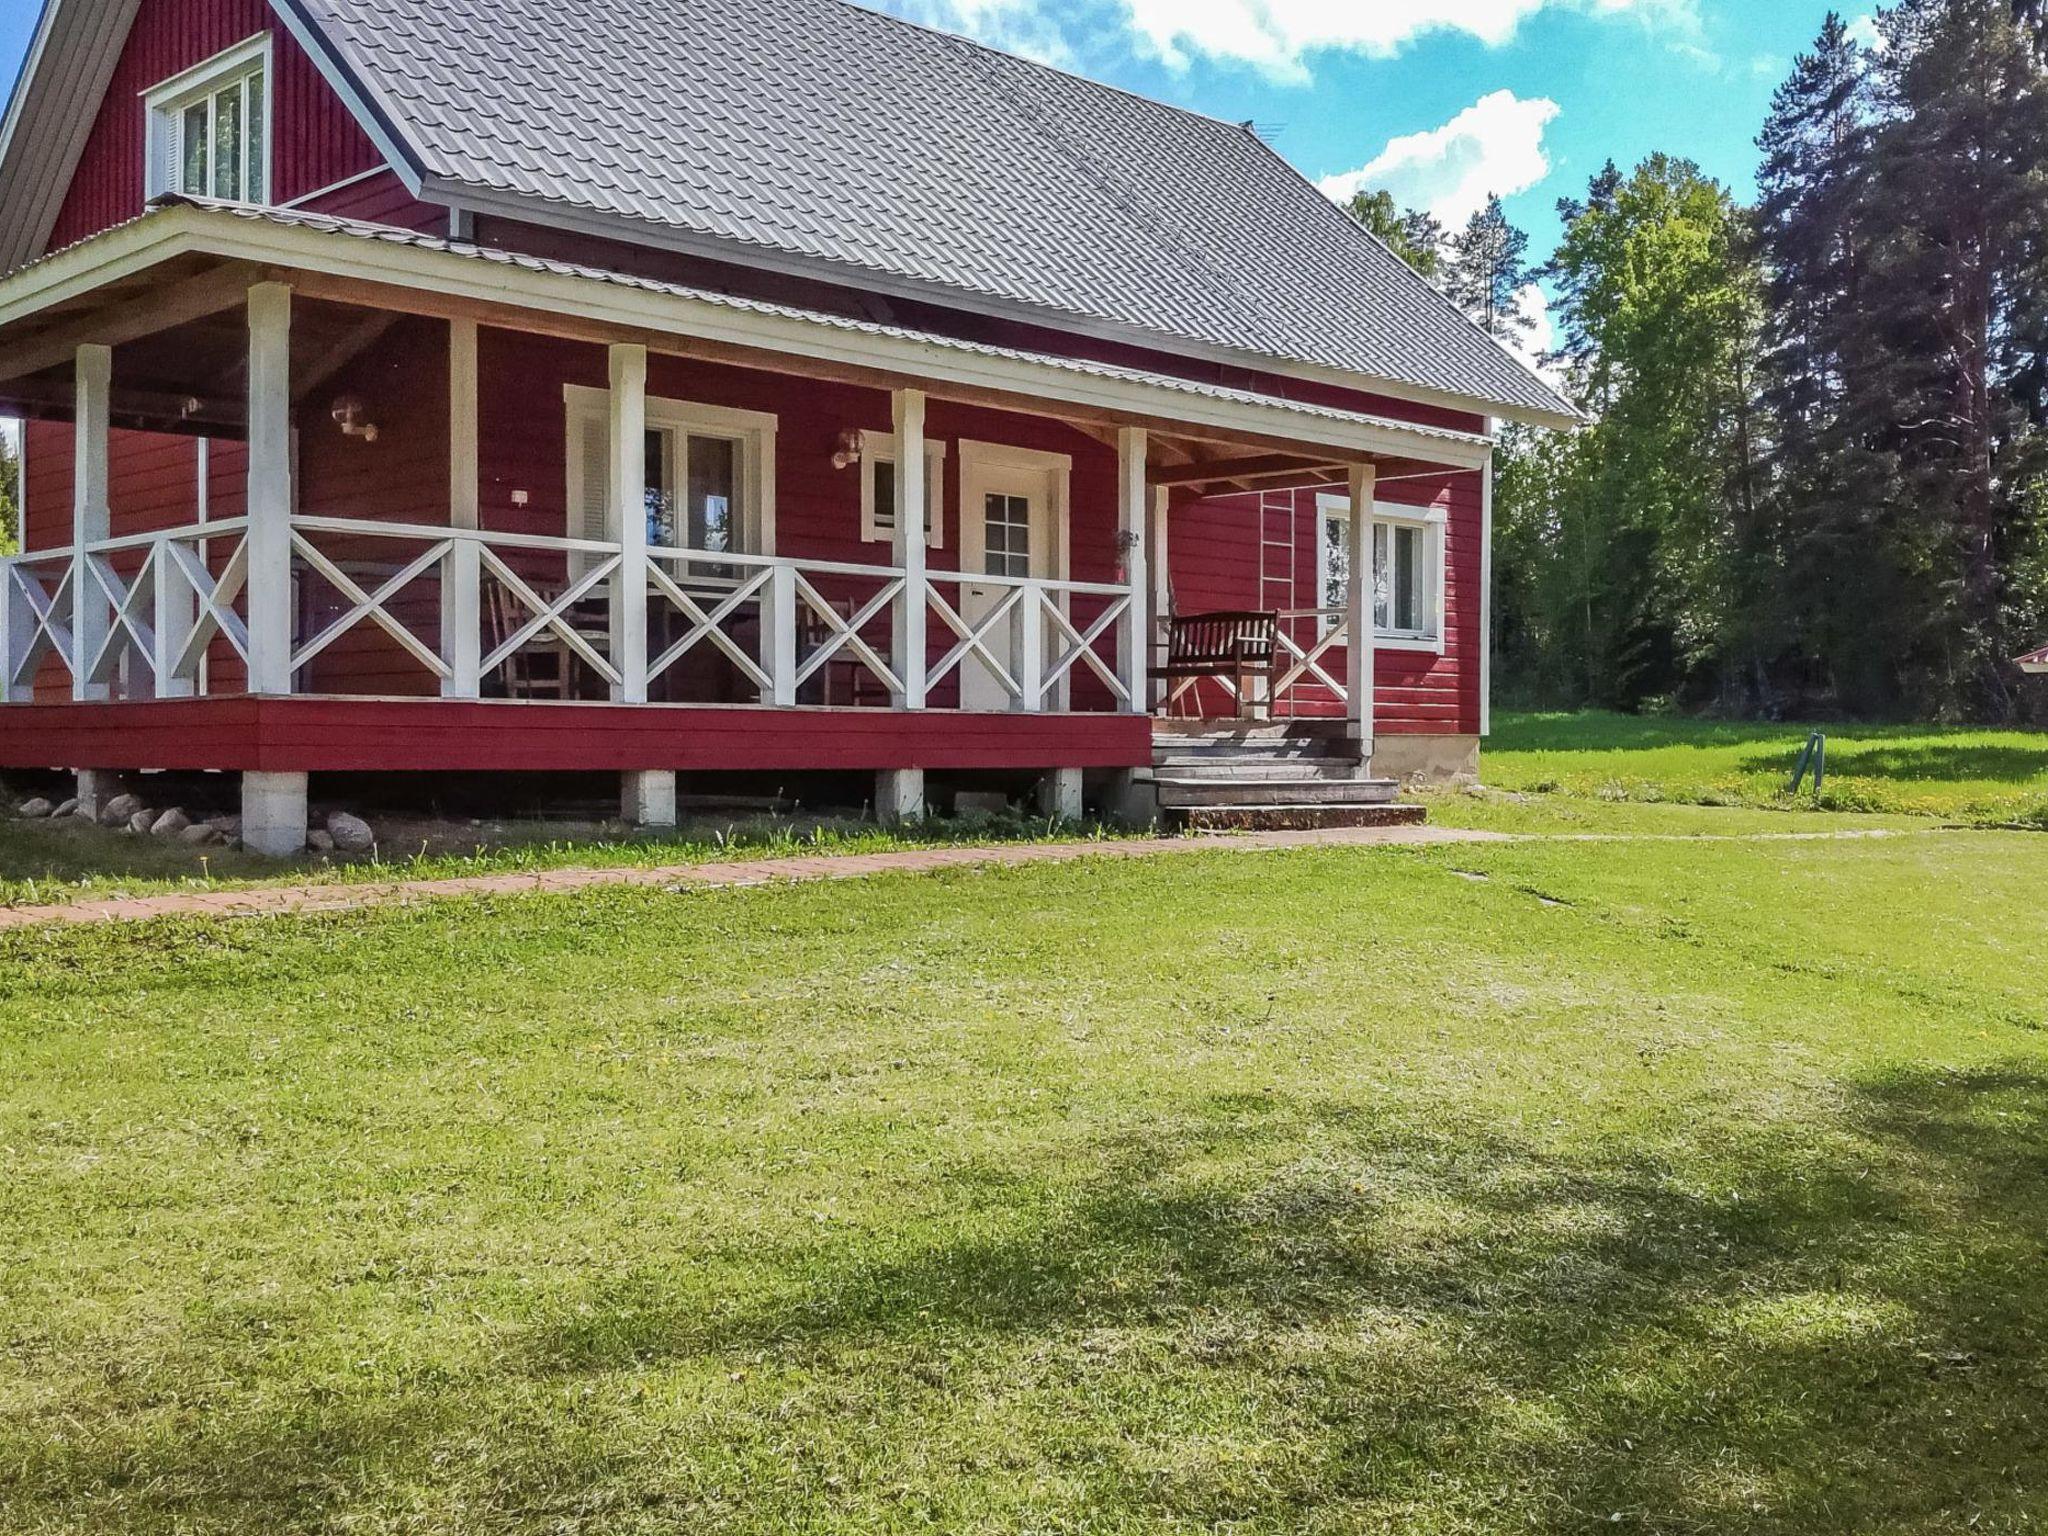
pixel 1650 1185
pixel 50 863
pixel 1967 774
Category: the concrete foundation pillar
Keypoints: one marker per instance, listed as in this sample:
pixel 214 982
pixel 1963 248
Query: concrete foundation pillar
pixel 648 798
pixel 274 814
pixel 899 796
pixel 1059 795
pixel 1131 802
pixel 96 786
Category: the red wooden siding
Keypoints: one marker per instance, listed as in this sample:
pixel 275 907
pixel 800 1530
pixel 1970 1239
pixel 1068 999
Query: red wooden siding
pixel 1218 559
pixel 435 736
pixel 316 140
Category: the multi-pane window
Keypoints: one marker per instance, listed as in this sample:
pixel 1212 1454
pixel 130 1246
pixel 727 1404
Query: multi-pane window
pixel 710 475
pixel 1006 540
pixel 1405 556
pixel 209 129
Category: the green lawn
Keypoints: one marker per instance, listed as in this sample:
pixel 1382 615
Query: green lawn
pixel 1956 772
pixel 1657 1185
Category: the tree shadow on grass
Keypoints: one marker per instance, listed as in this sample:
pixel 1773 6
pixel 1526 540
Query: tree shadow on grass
pixel 1830 1322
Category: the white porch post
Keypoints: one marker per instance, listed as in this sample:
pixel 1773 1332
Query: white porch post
pixel 90 519
pixel 462 575
pixel 908 647
pixel 1162 588
pixel 270 489
pixel 1135 648
pixel 1485 592
pixel 1358 616
pixel 629 518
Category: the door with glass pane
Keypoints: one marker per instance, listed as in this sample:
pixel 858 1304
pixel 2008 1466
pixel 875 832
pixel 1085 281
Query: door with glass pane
pixel 1008 528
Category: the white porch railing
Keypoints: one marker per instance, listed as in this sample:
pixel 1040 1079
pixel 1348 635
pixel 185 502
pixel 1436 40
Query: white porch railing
pixel 465 610
pixel 136 614
pixel 1308 678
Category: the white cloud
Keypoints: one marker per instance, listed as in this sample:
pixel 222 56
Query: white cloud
pixel 1277 37
pixel 1494 146
pixel 1865 32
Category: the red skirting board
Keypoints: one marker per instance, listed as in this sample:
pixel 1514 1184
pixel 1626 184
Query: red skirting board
pixel 312 735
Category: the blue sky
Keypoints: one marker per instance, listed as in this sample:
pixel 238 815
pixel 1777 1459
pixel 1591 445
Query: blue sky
pixel 1442 99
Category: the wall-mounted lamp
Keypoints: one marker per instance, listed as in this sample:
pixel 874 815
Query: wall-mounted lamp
pixel 349 414
pixel 852 448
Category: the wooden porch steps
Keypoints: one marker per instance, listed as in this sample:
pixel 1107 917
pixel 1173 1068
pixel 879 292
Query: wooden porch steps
pixel 1290 777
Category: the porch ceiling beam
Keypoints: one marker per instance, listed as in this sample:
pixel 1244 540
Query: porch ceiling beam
pixel 352 345
pixel 142 410
pixel 196 298
pixel 1267 466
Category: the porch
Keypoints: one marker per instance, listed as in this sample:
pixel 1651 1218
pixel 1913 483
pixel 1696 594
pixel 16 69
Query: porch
pixel 456 510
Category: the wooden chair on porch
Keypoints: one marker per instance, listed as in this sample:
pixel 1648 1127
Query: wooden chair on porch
pixel 1236 649
pixel 545 667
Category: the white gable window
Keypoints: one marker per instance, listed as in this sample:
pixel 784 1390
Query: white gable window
pixel 209 128
pixel 878 490
pixel 710 475
pixel 1407 571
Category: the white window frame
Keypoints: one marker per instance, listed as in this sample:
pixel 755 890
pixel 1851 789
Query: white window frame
pixel 878 524
pixel 1432 523
pixel 164 107
pixel 753 431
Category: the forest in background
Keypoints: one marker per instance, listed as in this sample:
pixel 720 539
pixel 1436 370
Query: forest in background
pixel 1814 475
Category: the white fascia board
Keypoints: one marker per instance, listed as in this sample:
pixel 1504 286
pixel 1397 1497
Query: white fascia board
pixel 178 231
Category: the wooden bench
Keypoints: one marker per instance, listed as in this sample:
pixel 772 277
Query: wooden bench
pixel 1237 648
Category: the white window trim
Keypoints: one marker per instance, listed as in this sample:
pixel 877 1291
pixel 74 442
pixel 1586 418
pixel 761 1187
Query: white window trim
pixel 880 448
pixel 754 431
pixel 1434 521
pixel 164 102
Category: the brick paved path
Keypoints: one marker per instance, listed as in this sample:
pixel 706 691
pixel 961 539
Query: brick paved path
pixel 289 899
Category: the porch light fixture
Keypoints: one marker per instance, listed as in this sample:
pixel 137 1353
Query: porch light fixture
pixel 852 447
pixel 348 415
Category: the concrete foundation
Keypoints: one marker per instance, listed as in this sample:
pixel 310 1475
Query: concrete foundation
pixel 96 786
pixel 1426 759
pixel 274 814
pixel 1131 802
pixel 648 798
pixel 1059 795
pixel 899 796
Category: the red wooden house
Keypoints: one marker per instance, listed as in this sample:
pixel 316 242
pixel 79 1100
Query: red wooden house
pixel 667 385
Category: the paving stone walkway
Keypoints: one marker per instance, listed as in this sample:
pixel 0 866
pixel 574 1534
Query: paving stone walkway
pixel 288 900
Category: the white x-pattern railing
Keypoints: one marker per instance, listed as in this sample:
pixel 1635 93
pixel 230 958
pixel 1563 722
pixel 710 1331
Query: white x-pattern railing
pixel 166 597
pixel 145 608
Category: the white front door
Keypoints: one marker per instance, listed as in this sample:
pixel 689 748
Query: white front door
pixel 1013 511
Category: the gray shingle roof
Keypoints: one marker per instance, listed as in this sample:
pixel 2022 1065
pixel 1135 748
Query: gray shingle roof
pixel 818 132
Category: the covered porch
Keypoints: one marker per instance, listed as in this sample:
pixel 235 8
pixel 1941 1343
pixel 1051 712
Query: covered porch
pixel 458 509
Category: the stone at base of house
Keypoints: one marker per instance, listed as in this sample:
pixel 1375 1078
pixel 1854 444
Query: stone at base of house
pixel 1426 759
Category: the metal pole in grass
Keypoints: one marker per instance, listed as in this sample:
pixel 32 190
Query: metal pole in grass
pixel 1813 755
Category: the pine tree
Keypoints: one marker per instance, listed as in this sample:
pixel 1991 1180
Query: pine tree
pixel 1414 236
pixel 10 490
pixel 1485 273
pixel 1830 497
pixel 1952 328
